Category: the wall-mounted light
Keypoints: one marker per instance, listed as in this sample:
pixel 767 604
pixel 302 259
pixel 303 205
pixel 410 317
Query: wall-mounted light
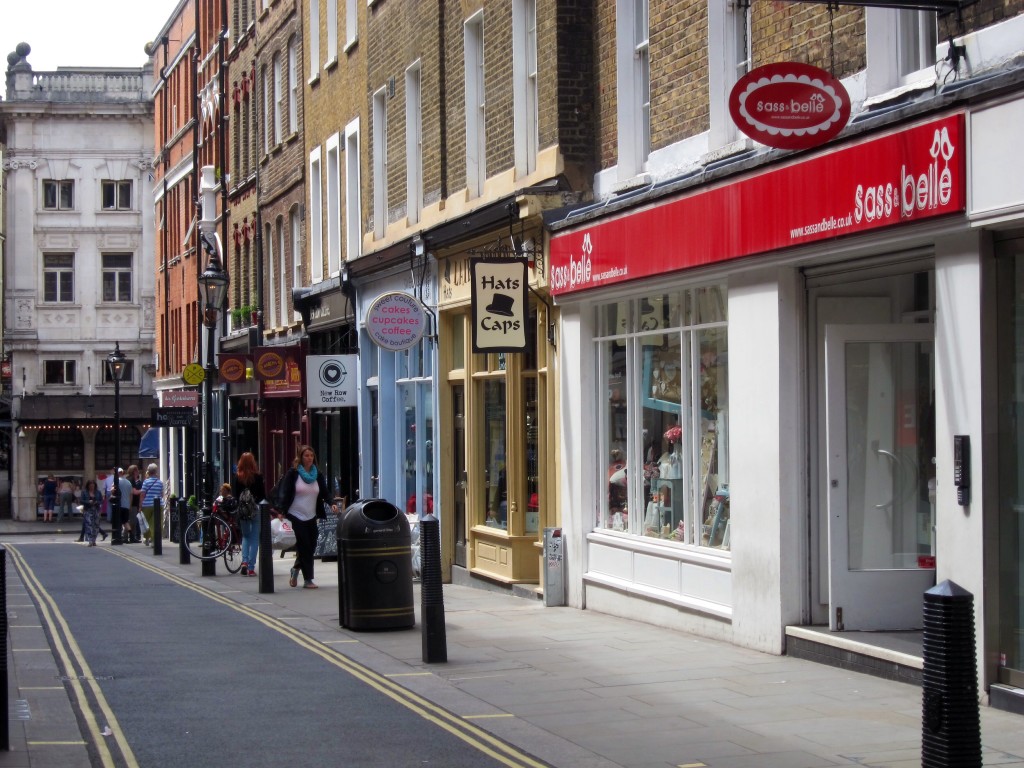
pixel 21 432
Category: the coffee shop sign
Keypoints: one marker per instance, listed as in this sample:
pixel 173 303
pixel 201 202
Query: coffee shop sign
pixel 396 321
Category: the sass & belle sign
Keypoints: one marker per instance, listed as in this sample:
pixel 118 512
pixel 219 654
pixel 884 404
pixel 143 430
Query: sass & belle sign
pixel 331 381
pixel 905 176
pixel 500 304
pixel 396 321
pixel 789 105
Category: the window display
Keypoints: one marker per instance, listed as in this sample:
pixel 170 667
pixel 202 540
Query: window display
pixel 664 363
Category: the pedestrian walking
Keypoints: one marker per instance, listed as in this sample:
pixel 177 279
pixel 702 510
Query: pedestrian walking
pixel 49 491
pixel 249 489
pixel 92 498
pixel 303 498
pixel 133 535
pixel 152 490
pixel 118 531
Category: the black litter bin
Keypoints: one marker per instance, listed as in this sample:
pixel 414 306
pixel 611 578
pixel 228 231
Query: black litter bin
pixel 375 567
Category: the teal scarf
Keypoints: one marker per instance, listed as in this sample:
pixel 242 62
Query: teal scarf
pixel 309 477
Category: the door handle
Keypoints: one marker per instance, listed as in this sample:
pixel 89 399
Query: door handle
pixel 896 466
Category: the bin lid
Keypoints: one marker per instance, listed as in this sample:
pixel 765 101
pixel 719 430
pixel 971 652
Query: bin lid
pixel 371 519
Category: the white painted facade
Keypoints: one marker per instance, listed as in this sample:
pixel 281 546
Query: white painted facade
pixel 89 131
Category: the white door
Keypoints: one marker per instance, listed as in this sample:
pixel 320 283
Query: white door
pixel 879 390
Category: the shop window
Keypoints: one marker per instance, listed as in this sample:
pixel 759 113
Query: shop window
pixel 60 450
pixel 494 467
pixel 665 426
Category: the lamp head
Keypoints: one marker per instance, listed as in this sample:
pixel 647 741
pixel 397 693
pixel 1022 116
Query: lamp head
pixel 213 283
pixel 117 363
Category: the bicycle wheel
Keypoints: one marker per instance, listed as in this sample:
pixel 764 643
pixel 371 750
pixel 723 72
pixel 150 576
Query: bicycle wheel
pixel 233 556
pixel 220 538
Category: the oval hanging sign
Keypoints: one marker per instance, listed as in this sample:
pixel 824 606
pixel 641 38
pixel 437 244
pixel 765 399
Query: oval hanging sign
pixel 396 321
pixel 789 105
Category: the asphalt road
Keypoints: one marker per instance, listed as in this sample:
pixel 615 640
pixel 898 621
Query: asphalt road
pixel 162 672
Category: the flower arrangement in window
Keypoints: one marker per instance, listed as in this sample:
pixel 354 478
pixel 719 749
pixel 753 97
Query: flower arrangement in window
pixel 674 434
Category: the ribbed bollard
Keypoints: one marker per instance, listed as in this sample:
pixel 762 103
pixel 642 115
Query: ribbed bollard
pixel 435 643
pixel 184 558
pixel 265 556
pixel 951 734
pixel 5 726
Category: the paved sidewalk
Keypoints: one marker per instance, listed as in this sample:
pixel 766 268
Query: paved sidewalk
pixel 581 689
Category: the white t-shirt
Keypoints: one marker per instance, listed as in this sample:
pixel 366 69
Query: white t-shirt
pixel 304 504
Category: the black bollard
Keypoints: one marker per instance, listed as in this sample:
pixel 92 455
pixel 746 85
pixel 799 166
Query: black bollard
pixel 158 527
pixel 951 735
pixel 266 552
pixel 5 725
pixel 435 644
pixel 183 556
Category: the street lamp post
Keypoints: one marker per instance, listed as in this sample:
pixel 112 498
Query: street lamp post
pixel 213 287
pixel 117 364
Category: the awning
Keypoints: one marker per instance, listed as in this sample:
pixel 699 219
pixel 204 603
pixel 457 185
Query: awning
pixel 149 445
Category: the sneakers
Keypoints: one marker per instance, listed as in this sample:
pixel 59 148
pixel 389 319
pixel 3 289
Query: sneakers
pixel 252 572
pixel 293 577
pixel 245 569
pixel 310 585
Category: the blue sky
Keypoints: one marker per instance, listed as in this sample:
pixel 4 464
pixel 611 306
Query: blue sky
pixel 82 33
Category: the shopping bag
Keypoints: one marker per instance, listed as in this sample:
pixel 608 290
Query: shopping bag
pixel 143 525
pixel 281 534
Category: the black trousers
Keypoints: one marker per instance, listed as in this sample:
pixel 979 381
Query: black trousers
pixel 306 533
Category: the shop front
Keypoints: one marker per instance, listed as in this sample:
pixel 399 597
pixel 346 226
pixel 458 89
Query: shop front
pixel 497 402
pixel 772 377
pixel 398 403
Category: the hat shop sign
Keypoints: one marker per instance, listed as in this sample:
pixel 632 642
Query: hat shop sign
pixel 499 304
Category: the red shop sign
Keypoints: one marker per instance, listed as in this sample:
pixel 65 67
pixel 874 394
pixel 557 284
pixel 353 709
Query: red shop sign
pixel 789 105
pixel 910 175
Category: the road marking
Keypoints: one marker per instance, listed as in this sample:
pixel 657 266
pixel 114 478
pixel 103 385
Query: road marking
pixel 488 717
pixel 476 737
pixel 68 653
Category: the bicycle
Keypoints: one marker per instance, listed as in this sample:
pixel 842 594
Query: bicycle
pixel 225 540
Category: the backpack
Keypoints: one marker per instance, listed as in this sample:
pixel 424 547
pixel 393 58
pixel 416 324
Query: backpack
pixel 247 506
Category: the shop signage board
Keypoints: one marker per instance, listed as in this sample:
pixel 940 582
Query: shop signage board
pixel 232 367
pixel 180 398
pixel 500 303
pixel 396 321
pixel 789 105
pixel 331 381
pixel 173 417
pixel 905 176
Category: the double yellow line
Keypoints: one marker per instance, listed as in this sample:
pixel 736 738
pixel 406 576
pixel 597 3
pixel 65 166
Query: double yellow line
pixel 83 687
pixel 481 740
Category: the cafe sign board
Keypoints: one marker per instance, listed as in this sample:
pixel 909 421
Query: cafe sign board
pixel 789 105
pixel 396 321
pixel 331 381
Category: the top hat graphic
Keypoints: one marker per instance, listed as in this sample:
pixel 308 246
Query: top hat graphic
pixel 501 305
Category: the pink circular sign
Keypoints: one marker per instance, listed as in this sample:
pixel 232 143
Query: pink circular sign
pixel 396 321
pixel 789 105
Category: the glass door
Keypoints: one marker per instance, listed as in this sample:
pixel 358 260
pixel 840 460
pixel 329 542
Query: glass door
pixel 881 448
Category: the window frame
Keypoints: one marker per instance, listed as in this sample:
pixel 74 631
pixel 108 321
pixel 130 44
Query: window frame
pixel 60 372
pixel 117 186
pixel 63 276
pixel 58 189
pixel 119 275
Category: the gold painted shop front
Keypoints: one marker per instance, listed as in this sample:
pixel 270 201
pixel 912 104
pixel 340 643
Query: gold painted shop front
pixel 499 409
